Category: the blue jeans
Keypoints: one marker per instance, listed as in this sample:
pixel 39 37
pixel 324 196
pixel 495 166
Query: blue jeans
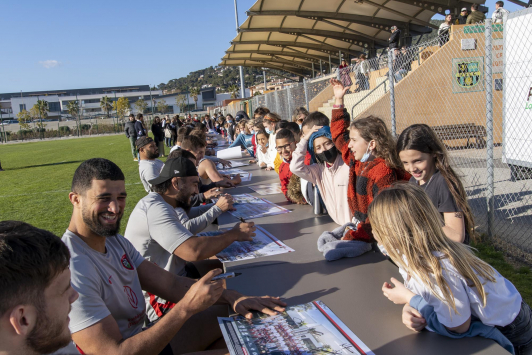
pixel 519 332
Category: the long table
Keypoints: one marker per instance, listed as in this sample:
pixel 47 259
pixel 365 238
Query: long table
pixel 350 287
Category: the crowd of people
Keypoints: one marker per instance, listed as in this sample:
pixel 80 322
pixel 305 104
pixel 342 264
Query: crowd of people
pixel 151 290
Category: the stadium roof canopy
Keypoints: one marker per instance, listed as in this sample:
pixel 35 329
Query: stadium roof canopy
pixel 291 35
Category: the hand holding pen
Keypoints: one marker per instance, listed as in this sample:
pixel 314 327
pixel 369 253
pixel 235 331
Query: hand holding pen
pixel 245 231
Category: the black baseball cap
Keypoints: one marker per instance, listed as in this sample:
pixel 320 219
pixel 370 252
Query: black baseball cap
pixel 178 167
pixel 142 141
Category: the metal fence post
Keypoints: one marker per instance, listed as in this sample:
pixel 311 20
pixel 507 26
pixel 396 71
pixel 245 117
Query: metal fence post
pixel 316 201
pixel 277 106
pixel 392 91
pixel 490 193
pixel 288 100
pixel 305 88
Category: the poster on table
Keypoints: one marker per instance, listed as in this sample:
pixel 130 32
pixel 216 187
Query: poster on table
pixel 263 244
pixel 310 328
pixel 517 93
pixel 248 207
pixel 267 189
pixel 244 175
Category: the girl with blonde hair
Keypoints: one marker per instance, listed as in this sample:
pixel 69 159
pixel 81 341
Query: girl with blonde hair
pixel 443 274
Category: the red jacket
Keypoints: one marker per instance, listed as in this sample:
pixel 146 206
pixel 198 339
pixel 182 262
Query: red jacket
pixel 366 179
pixel 285 174
pixel 254 143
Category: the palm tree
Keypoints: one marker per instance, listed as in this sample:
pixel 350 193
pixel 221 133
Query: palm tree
pixel 106 104
pixel 233 89
pixel 42 108
pixel 194 92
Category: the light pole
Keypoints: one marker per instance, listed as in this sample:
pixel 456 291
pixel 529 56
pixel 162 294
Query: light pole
pixel 242 87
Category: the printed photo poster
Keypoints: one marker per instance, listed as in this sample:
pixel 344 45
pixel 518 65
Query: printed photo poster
pixel 249 207
pixel 267 189
pixel 306 329
pixel 263 244
pixel 244 175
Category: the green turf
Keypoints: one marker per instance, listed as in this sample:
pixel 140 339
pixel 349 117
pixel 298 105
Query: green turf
pixel 35 184
pixel 34 188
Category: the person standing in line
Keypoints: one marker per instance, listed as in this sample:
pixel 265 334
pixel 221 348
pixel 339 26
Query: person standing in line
pixel 364 72
pixel 131 133
pixel 140 128
pixel 158 135
pixel 445 29
pixel 475 16
pixel 498 14
pixel 149 166
pixel 393 41
pixel 462 18
pixel 345 73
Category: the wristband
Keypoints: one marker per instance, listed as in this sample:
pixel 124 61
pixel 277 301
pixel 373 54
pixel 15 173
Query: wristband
pixel 338 106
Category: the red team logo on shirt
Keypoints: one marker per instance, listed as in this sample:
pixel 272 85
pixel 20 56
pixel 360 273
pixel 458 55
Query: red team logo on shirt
pixel 126 263
pixel 131 297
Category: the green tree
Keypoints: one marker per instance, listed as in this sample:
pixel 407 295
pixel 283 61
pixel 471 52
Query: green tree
pixel 141 105
pixel 106 104
pixel 121 106
pixel 42 108
pixel 233 89
pixel 72 108
pixel 194 92
pixel 181 101
pixel 162 106
pixel 23 119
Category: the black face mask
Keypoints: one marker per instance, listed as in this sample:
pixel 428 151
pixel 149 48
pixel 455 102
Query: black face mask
pixel 328 156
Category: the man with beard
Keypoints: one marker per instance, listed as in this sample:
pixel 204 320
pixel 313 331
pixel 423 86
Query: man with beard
pixel 109 274
pixel 197 218
pixel 156 232
pixel 35 290
pixel 149 165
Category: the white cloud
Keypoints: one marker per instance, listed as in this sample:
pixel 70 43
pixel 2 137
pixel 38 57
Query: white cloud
pixel 50 63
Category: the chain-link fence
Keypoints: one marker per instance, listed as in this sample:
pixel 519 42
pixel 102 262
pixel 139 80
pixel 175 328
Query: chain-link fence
pixel 472 87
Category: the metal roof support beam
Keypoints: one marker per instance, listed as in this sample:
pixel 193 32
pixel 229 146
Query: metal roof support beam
pixel 370 38
pixel 369 21
pixel 322 47
pixel 268 65
pixel 322 43
pixel 399 13
pixel 346 37
pixel 296 54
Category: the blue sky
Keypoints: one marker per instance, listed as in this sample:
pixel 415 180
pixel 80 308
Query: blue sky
pixel 49 45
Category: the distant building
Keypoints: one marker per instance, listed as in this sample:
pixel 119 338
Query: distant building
pixel 89 99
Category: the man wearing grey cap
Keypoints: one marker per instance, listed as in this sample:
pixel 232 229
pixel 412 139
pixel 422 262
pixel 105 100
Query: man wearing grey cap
pixel 149 165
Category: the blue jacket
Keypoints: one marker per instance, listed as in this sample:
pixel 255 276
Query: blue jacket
pixel 477 328
pixel 244 140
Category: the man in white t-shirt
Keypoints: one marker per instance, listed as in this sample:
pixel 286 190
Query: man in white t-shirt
pixel 155 230
pixel 109 274
pixel 149 165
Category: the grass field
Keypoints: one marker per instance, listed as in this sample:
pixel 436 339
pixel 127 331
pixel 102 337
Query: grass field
pixel 35 186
